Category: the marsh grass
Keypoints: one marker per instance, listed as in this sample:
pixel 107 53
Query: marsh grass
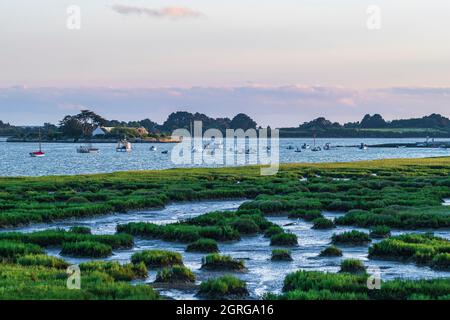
pixel 281 255
pixel 352 266
pixel 217 262
pixel 420 248
pixel 88 249
pixel 312 285
pixel 175 274
pixel 225 287
pixel 351 238
pixel 157 258
pixel 331 251
pixel 284 239
pixel 120 272
pixel 203 245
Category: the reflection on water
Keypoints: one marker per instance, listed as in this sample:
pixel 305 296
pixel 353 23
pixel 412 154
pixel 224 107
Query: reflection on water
pixel 62 158
pixel 262 275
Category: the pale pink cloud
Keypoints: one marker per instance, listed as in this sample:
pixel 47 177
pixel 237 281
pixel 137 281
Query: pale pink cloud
pixel 167 12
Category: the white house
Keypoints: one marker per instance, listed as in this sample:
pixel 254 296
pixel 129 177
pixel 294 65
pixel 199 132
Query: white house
pixel 101 131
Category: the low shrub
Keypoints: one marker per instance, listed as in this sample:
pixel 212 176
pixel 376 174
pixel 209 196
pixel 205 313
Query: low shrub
pixel 331 251
pixel 175 274
pixel 157 258
pixel 217 262
pixel 284 239
pixel 281 255
pixel 203 245
pixel 225 287
pixel 89 249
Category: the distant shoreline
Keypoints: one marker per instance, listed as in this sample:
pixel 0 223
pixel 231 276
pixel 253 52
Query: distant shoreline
pixel 83 141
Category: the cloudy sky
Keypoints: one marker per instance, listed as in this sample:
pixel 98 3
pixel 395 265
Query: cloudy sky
pixel 282 62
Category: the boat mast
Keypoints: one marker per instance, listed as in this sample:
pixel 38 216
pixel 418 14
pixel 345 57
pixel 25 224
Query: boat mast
pixel 40 149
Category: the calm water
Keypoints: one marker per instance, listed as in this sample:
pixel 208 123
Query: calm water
pixel 262 274
pixel 62 158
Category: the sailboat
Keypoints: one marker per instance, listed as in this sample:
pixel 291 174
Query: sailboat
pixel 315 148
pixel 39 153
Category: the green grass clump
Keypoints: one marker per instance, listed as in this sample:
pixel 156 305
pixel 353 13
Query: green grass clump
pixel 283 239
pixel 307 215
pixel 120 272
pixel 89 249
pixel 157 258
pixel 352 266
pixel 420 248
pixel 42 260
pixel 405 216
pixel 245 226
pixel 19 282
pixel 179 232
pixel 217 262
pixel 80 230
pixel 203 245
pixel 273 230
pixel 58 237
pixel 441 261
pixel 12 249
pixel 77 200
pixel 331 251
pixel 380 232
pixel 281 255
pixel 226 287
pixel 323 223
pixel 175 274
pixel 351 238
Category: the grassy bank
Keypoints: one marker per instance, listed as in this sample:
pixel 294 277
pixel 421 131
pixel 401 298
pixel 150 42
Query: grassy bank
pixel 379 195
pixel 385 192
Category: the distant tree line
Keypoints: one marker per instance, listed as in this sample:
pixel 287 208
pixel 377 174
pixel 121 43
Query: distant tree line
pixel 373 126
pixel 82 125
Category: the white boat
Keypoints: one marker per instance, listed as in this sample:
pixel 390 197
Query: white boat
pixel 123 146
pixel 152 148
pixel 87 149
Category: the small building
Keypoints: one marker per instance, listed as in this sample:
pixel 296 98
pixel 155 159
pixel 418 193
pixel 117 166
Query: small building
pixel 101 131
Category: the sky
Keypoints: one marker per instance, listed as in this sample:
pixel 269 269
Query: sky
pixel 282 62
